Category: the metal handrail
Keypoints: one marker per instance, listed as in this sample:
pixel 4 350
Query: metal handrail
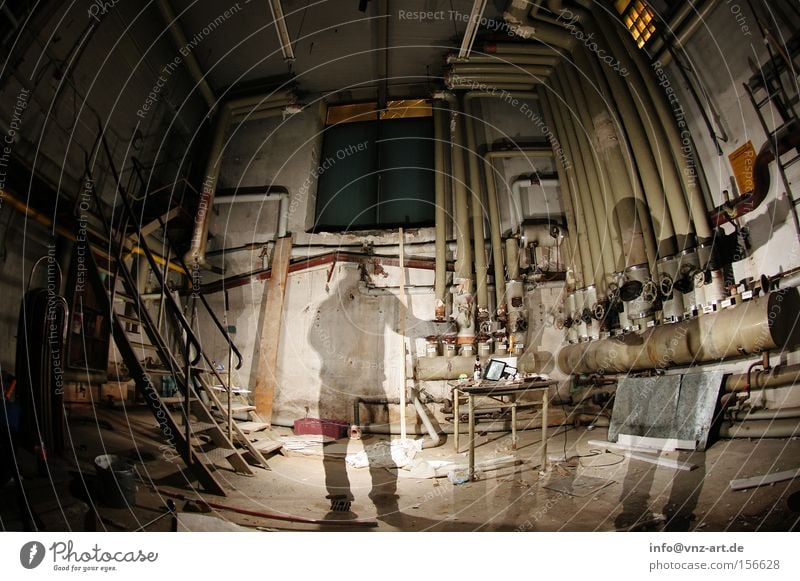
pixel 203 299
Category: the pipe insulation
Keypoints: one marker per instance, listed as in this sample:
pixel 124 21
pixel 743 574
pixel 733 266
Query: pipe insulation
pixel 602 261
pixel 679 142
pixel 768 322
pixel 761 429
pixel 576 250
pixel 281 197
pixel 460 199
pixel 440 280
pixel 181 42
pixel 196 255
pixel 476 202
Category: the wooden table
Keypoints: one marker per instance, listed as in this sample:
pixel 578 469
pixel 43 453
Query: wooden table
pixel 496 391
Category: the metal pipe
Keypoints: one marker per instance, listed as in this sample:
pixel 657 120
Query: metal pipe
pixel 780 376
pixel 602 262
pixel 621 216
pixel 435 439
pixel 281 198
pixel 685 30
pixel 461 201
pixel 441 216
pixel 181 42
pixel 512 68
pixel 512 258
pixel 681 152
pixel 770 322
pixel 265 113
pixel 476 191
pixel 575 255
pixel 662 187
pixel 492 203
pixel 196 255
pixel 761 429
pixel 508 60
pixel 453 80
pixel 779 414
pixel 517 15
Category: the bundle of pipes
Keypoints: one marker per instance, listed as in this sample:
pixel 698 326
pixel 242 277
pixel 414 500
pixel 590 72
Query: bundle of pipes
pixel 230 113
pixel 637 236
pixel 658 213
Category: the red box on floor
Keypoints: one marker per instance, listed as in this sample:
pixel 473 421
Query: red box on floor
pixel 319 426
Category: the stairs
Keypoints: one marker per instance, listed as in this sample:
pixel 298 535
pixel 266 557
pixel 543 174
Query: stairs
pixel 197 421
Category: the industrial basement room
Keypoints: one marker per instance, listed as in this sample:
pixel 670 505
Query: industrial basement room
pixel 359 266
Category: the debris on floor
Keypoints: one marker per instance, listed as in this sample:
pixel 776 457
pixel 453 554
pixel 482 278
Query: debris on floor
pixel 383 454
pixel 578 486
pixel 442 468
pixel 307 445
pixel 661 461
pixel 755 481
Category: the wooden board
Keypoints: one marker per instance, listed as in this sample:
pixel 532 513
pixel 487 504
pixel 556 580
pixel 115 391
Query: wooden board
pixel 666 462
pixel 753 482
pixel 659 444
pixel 267 446
pixel 248 427
pixel 269 336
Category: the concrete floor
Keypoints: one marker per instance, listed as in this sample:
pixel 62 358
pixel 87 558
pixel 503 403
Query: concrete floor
pixel 509 499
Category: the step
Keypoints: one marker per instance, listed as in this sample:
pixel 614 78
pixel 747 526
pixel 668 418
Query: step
pixel 267 446
pixel 158 371
pixel 236 390
pixel 248 427
pixel 200 427
pixel 239 408
pixel 176 399
pixel 129 319
pixel 140 345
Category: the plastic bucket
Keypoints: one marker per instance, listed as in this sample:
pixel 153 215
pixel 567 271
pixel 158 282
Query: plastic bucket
pixel 117 480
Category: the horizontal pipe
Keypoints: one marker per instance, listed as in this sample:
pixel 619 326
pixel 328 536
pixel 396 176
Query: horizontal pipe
pixel 549 60
pixel 761 429
pixel 765 323
pixel 780 376
pixel 749 201
pixel 779 414
pixel 282 198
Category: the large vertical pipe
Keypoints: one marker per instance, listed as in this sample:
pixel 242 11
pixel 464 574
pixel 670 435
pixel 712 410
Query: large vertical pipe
pixel 633 100
pixel 440 282
pixel 596 223
pixel 477 210
pixel 681 152
pixel 181 43
pixel 631 249
pixel 460 199
pixel 576 247
pixel 196 255
pixel 494 226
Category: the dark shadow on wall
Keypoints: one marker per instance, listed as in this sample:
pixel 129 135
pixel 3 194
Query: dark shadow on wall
pixel 349 336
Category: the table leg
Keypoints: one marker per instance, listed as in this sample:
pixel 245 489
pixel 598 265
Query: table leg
pixel 545 402
pixel 471 406
pixel 456 426
pixel 513 422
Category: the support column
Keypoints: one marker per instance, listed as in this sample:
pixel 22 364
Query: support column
pixel 270 334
